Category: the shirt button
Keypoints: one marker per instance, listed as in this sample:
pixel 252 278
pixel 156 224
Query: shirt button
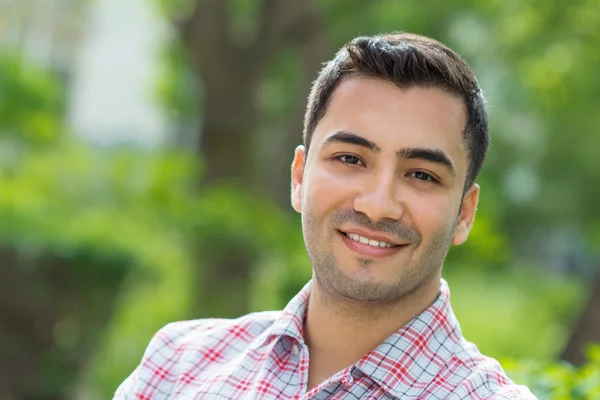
pixel 296 350
pixel 348 380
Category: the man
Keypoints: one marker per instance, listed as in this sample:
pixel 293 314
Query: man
pixel 396 131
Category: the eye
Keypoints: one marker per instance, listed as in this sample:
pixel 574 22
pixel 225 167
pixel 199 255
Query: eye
pixel 423 176
pixel 349 159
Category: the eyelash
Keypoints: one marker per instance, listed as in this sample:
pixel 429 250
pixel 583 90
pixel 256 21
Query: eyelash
pixel 427 177
pixel 341 157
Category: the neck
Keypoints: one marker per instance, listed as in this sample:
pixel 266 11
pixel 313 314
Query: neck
pixel 339 331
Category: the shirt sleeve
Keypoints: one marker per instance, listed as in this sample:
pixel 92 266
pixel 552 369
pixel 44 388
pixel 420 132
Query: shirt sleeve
pixel 155 368
pixel 157 372
pixel 132 386
pixel 127 389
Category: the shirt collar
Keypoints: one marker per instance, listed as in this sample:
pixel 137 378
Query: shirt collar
pixel 290 321
pixel 408 360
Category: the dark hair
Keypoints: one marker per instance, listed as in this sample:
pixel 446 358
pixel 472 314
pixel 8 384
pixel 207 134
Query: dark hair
pixel 406 60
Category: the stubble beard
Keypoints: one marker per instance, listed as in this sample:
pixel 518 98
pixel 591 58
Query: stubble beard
pixel 413 275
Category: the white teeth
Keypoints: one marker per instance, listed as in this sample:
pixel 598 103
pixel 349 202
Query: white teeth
pixel 362 239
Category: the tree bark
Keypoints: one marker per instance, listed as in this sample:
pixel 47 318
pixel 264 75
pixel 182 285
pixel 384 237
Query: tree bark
pixel 587 327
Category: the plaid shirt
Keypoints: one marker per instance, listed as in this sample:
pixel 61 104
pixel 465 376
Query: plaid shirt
pixel 263 356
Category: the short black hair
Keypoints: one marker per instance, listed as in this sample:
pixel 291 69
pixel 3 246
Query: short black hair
pixel 406 60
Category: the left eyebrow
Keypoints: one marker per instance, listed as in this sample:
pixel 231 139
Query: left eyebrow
pixel 435 156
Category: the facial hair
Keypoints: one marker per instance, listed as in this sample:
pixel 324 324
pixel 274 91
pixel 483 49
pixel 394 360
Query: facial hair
pixel 417 268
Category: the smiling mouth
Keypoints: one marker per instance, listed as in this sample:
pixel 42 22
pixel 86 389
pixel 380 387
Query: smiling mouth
pixel 373 243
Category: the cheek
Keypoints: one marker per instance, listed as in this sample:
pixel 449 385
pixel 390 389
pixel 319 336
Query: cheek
pixel 324 189
pixel 430 214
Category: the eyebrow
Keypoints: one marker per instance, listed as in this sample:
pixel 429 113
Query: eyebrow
pixel 352 138
pixel 435 156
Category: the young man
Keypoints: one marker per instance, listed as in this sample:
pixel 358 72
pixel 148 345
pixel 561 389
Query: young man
pixel 396 131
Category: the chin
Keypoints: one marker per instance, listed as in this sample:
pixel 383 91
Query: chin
pixel 364 276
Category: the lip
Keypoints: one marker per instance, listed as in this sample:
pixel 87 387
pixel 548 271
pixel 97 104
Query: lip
pixel 364 250
pixel 379 236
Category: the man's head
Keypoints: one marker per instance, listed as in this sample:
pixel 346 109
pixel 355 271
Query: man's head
pixel 395 134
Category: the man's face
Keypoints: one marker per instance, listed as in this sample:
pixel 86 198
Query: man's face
pixel 380 190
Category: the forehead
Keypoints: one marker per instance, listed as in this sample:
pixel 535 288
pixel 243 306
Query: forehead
pixel 395 118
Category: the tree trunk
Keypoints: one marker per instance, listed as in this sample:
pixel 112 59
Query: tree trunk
pixel 313 52
pixel 231 74
pixel 230 119
pixel 229 122
pixel 587 328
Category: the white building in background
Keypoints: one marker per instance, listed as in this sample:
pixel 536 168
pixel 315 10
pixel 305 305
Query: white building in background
pixel 107 53
pixel 47 31
pixel 113 80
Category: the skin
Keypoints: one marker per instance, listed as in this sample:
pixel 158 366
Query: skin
pixel 388 164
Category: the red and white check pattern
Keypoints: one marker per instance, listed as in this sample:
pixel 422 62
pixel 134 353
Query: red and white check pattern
pixel 263 356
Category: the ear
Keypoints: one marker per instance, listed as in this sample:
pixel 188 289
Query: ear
pixel 467 215
pixel 297 177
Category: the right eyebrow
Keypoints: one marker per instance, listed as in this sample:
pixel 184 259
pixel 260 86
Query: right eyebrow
pixel 352 138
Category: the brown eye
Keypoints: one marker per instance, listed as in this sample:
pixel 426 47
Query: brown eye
pixel 348 159
pixel 423 176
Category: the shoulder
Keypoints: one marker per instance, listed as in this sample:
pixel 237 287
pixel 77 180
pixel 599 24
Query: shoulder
pixel 180 338
pixel 201 333
pixel 180 344
pixel 483 378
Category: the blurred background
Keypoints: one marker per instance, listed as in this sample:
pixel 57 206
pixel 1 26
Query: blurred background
pixel 144 177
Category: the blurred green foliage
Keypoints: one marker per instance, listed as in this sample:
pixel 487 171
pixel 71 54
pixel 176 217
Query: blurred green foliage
pixel 559 381
pixel 133 233
pixel 31 100
pixel 520 312
pixel 77 223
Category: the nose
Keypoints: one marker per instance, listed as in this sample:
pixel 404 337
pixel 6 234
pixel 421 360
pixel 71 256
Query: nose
pixel 379 199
